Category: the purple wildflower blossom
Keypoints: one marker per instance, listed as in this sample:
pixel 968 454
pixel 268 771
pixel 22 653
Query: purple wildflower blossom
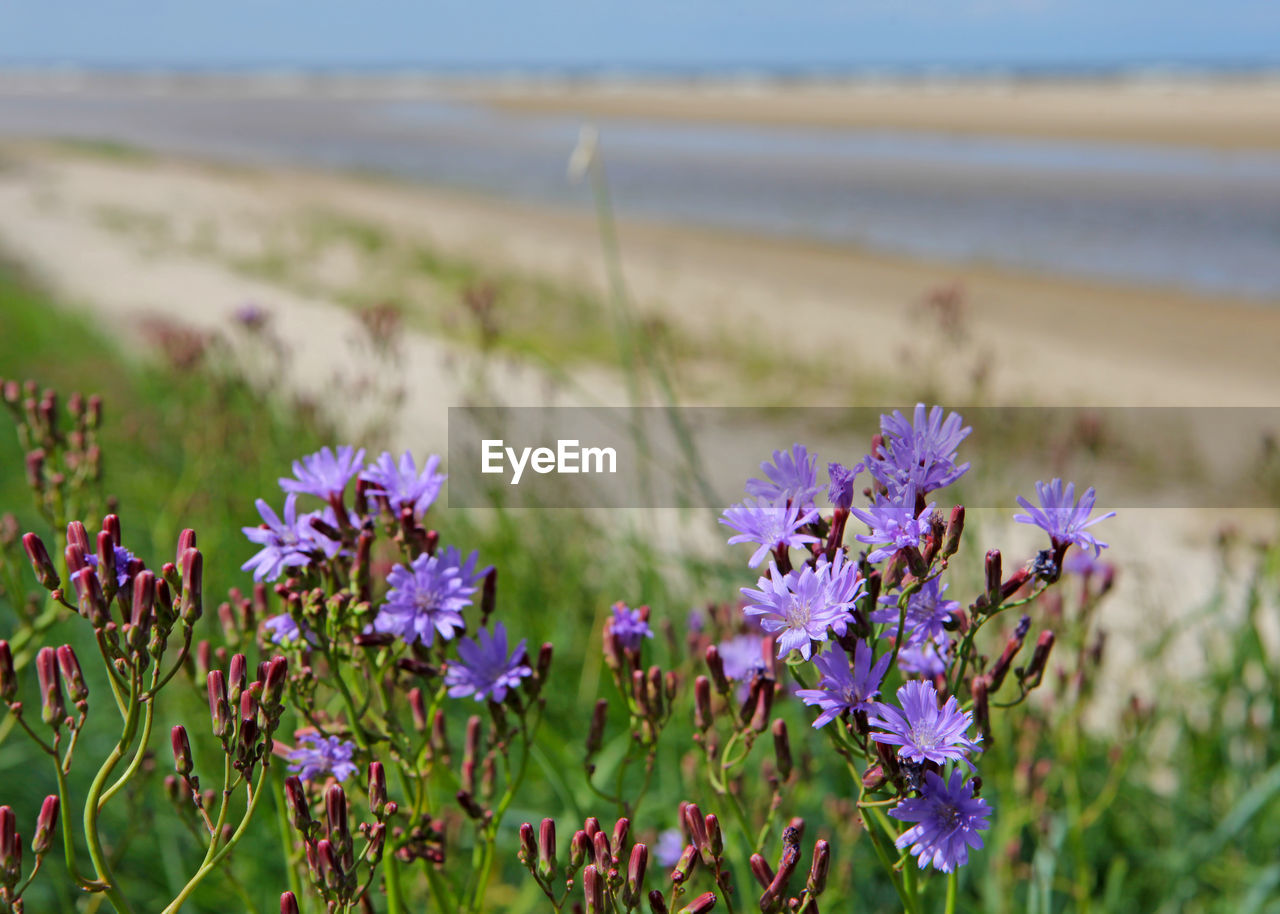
pixel 669 847
pixel 429 596
pixel 629 627
pixel 840 490
pixel 770 524
pixel 742 656
pixel 793 476
pixel 949 820
pixel 894 523
pixel 923 730
pixel 402 484
pixel 285 629
pixel 1061 517
pixel 323 473
pixel 804 604
pixel 285 544
pixel 844 687
pixel 927 613
pixel 927 657
pixel 327 755
pixel 123 558
pixel 920 451
pixel 484 668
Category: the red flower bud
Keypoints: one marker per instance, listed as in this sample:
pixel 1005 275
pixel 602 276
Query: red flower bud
pixel 547 849
pixel 181 750
pixel 192 605
pixel 700 905
pixel 636 867
pixel 45 571
pixel 8 678
pixel 45 825
pixel 593 889
pixel 288 904
pixel 296 800
pixel 53 709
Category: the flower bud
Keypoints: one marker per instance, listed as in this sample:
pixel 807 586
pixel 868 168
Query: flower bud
pixel 657 904
pixel 471 744
pixel 817 883
pixel 981 707
pixel 684 867
pixel 90 600
pixel 543 665
pixel 595 732
pixel 181 750
pixel 488 596
pixel 715 838
pixel 700 905
pixel 528 853
pixel 52 708
pixel 603 855
pixel 144 595
pixel 764 689
pixel 274 682
pixel 8 677
pixel 45 571
pixel 782 748
pixel 107 571
pixel 1035 669
pixel 330 868
pixel 636 867
pixel 45 825
pixel 715 664
pixel 547 849
pixel 192 605
pixel 219 707
pixel 580 849
pixel 335 810
pixel 35 469
pixel 288 904
pixel 1001 667
pixel 418 708
pixel 619 840
pixel 592 827
pixel 593 889
pixel 377 789
pixel 296 800
pixel 955 529
pixel 78 536
pixel 703 715
pixel 237 677
pixel 873 778
pixel 696 826
pixel 10 848
pixel 761 869
pixel 994 577
pixel 440 737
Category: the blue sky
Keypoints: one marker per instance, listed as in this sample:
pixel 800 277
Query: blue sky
pixel 636 33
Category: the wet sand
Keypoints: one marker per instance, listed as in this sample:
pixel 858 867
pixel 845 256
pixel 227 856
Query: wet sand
pixel 1234 114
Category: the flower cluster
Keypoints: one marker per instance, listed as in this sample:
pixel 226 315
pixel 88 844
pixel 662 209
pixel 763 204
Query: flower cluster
pixel 863 620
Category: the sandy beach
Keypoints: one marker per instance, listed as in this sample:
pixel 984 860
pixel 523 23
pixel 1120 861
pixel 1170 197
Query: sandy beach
pixel 1223 114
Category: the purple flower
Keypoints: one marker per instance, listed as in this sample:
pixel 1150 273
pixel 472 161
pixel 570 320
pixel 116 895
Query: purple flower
pixel 629 627
pixel 804 604
pixel 323 473
pixel 429 596
pixel 927 613
pixel 251 316
pixel 402 484
pixel 844 687
pixel 793 476
pixel 927 657
pixel 123 557
pixel 840 490
pixel 285 544
pixel 327 755
pixel 894 523
pixel 771 524
pixel 743 656
pixel 920 452
pixel 669 847
pixel 484 667
pixel 923 730
pixel 949 820
pixel 1061 517
pixel 285 630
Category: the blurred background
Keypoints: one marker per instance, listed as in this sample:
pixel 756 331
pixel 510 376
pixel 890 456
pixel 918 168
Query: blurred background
pixel 260 225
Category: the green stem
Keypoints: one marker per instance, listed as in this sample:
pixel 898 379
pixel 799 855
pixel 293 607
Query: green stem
pixel 953 881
